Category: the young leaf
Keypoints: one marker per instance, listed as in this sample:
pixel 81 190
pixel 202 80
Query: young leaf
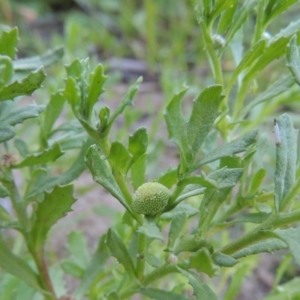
pixel 24 87
pixel 150 229
pixel 291 238
pixel 35 62
pixel 227 17
pixel 54 206
pixel 126 101
pixel 138 172
pixel 103 175
pixel 95 88
pixel 169 178
pixel 286 158
pixel 226 177
pixel 220 6
pixel 94 268
pixel 157 294
pixel 8 42
pixel 119 251
pixel 153 261
pixel 236 146
pixel 12 264
pixel 204 113
pixel 293 58
pixel 177 128
pixel 48 155
pixel 52 112
pixel 190 243
pixel 138 142
pixel 119 158
pixel 201 290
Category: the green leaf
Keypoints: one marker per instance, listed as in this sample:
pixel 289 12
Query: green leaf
pixel 220 6
pixel 52 111
pixel 169 178
pixel 72 94
pixel 113 296
pixel 281 85
pixel 179 209
pixel 77 69
pixel 293 58
pixel 201 290
pixel 257 180
pixel 177 128
pixel 3 192
pixel 19 115
pixel 291 237
pixel 6 133
pixel 138 142
pixel 226 177
pixel 150 229
pixel 236 146
pixel 256 218
pixel 119 251
pixel 202 262
pixel 72 268
pixel 275 49
pixel 252 54
pixel 46 156
pixel 54 206
pixel 277 7
pixel 286 159
pixel 119 158
pixel 8 42
pixel 95 267
pixel 153 261
pixel 12 264
pixel 239 19
pixel 224 260
pixel 95 88
pixel 157 294
pixel 287 290
pixel 190 243
pixel 269 245
pixel 126 101
pixel 226 18
pixel 103 175
pixel 176 227
pixel 35 62
pixel 26 86
pixel 138 172
pixel 204 113
pixel 6 70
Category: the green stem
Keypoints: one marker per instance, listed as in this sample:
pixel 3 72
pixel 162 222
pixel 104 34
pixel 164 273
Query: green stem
pixel 238 105
pixel 259 24
pixel 44 273
pixel 141 249
pixel 214 59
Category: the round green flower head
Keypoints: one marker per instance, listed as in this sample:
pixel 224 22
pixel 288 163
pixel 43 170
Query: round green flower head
pixel 150 198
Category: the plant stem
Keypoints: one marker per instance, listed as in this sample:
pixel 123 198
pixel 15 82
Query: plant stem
pixel 141 249
pixel 238 104
pixel 214 60
pixel 43 273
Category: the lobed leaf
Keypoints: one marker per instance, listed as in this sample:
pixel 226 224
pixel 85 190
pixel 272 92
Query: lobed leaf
pixel 8 42
pixel 46 156
pixel 24 87
pixel 6 70
pixel 54 206
pixel 293 58
pixel 138 142
pixel 120 252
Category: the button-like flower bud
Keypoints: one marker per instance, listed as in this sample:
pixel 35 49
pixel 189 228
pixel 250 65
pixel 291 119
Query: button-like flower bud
pixel 150 198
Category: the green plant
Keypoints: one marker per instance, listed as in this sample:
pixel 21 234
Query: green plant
pixel 218 181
